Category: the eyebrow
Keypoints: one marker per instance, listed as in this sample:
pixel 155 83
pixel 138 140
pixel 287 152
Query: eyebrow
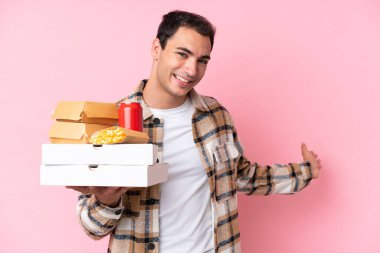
pixel 191 53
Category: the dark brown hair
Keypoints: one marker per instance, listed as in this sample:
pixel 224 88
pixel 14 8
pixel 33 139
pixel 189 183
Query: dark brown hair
pixel 176 19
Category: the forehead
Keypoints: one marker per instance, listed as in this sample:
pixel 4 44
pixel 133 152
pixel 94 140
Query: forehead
pixel 189 38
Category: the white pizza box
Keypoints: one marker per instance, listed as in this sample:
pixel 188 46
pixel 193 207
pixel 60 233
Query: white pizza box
pixel 104 175
pixel 108 154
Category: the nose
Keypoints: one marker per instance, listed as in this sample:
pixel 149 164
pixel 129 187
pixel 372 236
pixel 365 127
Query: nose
pixel 191 67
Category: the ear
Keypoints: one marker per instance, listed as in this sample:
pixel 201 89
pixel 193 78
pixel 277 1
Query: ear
pixel 156 49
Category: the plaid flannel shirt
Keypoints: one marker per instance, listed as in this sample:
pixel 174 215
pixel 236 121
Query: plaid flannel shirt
pixel 134 225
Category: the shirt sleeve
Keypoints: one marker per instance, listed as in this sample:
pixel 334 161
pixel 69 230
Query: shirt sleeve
pixel 255 179
pixel 96 219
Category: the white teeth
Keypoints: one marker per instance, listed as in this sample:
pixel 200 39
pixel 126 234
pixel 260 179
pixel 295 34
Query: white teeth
pixel 181 79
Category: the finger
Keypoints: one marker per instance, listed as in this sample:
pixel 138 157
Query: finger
pixel 118 190
pixel 112 190
pixel 320 165
pixel 93 189
pixel 305 152
pixel 75 187
pixel 123 190
pixel 304 149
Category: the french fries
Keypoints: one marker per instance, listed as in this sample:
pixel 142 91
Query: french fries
pixel 115 134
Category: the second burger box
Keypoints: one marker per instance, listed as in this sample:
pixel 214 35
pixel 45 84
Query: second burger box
pixel 77 121
pixel 87 112
pixel 81 164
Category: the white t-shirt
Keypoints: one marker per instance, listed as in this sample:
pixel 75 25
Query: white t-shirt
pixel 185 208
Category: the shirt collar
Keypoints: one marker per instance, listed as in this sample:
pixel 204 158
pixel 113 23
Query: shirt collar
pixel 137 96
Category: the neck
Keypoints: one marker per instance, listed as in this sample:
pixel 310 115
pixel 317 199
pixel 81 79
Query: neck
pixel 156 97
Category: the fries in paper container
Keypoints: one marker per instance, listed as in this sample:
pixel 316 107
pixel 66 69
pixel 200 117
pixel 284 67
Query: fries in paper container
pixel 115 135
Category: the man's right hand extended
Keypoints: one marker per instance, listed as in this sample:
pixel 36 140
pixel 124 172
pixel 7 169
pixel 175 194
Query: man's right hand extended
pixel 109 196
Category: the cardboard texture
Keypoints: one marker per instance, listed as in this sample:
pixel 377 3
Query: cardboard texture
pixel 86 112
pixel 107 154
pixel 74 133
pixel 104 175
pixel 135 136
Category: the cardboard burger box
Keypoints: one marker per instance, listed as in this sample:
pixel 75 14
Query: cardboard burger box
pixel 129 165
pixel 77 121
pixel 86 112
pixel 74 133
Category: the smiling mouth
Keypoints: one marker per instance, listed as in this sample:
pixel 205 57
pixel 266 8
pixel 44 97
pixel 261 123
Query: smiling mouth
pixel 182 79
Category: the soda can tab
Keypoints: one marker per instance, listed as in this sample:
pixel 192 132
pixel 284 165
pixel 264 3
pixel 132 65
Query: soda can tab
pixel 130 116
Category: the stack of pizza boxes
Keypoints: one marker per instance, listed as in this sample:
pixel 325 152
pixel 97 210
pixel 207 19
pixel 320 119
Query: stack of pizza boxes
pixel 71 160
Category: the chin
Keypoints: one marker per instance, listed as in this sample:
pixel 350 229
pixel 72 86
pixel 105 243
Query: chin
pixel 179 91
pixel 184 91
pixel 180 94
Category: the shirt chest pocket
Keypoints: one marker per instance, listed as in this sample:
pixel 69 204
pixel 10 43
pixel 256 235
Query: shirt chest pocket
pixel 225 156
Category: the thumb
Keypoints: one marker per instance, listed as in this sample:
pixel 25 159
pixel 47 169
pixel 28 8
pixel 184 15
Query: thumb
pixel 304 149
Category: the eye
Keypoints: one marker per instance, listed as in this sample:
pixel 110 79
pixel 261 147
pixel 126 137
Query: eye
pixel 203 61
pixel 183 55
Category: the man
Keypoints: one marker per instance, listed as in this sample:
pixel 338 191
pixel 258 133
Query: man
pixel 196 209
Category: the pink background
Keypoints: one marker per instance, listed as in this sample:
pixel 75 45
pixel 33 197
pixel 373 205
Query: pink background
pixel 289 71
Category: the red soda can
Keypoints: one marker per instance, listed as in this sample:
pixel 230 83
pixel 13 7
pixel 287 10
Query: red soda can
pixel 130 116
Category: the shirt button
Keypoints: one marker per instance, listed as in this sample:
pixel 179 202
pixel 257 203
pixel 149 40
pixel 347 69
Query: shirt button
pixel 156 121
pixel 151 246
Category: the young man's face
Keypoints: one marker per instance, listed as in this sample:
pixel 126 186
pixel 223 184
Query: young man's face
pixel 183 62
